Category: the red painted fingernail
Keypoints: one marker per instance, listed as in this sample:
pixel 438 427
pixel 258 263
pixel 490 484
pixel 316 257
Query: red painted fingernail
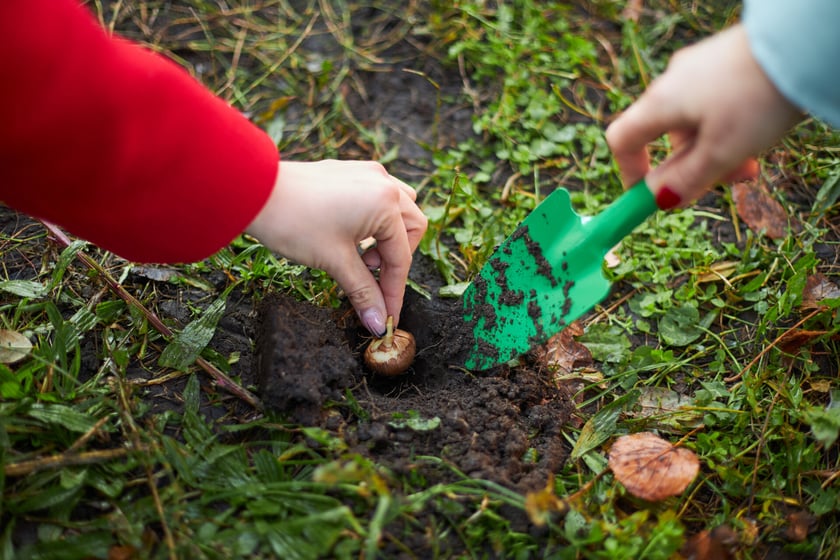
pixel 667 198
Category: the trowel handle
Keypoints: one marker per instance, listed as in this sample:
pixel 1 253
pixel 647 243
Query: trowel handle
pixel 621 217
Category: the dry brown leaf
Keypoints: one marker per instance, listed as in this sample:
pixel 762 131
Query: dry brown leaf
pixel 720 543
pixel 611 259
pixel 650 467
pixel 563 353
pixel 820 385
pixel 718 272
pixel 760 211
pixel 13 347
pixel 818 288
pixel 799 525
pixel 794 340
pixel 543 504
pixel 122 552
pixel 750 531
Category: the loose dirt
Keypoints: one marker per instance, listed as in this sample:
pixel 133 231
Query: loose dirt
pixel 503 425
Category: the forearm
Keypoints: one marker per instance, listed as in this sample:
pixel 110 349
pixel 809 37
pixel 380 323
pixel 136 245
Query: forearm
pixel 120 145
pixel 798 46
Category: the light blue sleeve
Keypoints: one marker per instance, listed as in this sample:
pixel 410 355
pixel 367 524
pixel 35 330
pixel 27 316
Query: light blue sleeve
pixel 797 43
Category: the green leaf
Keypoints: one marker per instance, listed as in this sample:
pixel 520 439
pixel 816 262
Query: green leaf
pixel 64 260
pixel 680 326
pixel 197 431
pixel 607 343
pixel 50 497
pixel 825 423
pixel 276 128
pixel 826 196
pixel 61 415
pixel 267 466
pixel 601 427
pixel 24 288
pixel 72 546
pixel 10 386
pixel 83 319
pixel 453 290
pixel 826 501
pixel 108 311
pixel 416 423
pixel 188 344
pixel 311 536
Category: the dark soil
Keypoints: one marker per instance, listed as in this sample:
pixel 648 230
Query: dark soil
pixel 20 234
pixel 489 426
pixel 307 357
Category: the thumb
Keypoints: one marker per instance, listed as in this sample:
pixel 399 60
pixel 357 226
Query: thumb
pixel 361 288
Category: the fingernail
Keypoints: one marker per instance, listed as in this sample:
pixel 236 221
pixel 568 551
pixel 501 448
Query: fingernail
pixel 373 321
pixel 666 198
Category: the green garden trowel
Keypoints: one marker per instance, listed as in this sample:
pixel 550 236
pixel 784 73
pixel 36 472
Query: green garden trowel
pixel 546 274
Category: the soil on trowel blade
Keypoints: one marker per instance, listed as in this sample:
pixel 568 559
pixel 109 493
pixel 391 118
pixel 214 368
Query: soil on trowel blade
pixel 503 425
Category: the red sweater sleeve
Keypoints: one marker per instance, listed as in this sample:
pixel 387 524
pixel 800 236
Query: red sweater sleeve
pixel 120 145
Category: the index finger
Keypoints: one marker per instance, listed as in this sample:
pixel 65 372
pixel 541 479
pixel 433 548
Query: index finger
pixel 649 118
pixel 395 260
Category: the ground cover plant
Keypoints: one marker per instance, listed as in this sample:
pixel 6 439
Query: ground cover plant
pixel 150 421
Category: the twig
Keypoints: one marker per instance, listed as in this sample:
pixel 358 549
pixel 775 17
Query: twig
pixel 606 311
pixel 834 476
pixel 771 346
pixel 759 449
pixel 222 380
pixel 23 468
pixel 79 443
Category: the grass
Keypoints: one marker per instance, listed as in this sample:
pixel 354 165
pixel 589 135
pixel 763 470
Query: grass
pixel 94 467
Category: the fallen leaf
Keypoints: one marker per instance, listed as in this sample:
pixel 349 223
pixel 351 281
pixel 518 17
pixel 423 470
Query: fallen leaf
pixel 13 347
pixel 667 407
pixel 799 525
pixel 720 543
pixel 543 504
pixel 817 288
pixel 718 272
pixel 750 531
pixel 611 259
pixel 650 467
pixel 794 340
pixel 760 211
pixel 122 552
pixel 154 273
pixel 820 385
pixel 562 353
